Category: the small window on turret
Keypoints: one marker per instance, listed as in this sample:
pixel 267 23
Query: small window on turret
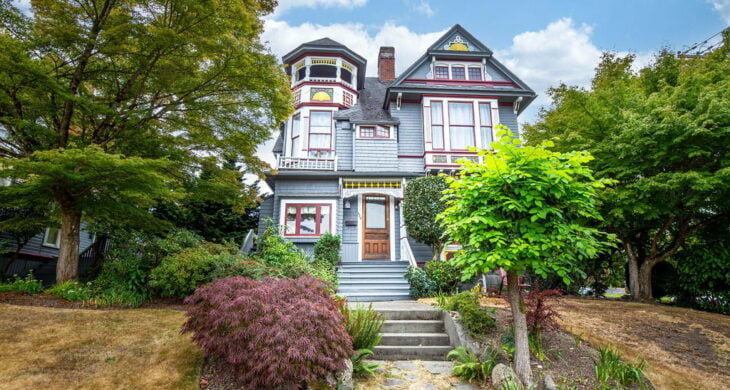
pixel 346 76
pixel 301 73
pixel 325 71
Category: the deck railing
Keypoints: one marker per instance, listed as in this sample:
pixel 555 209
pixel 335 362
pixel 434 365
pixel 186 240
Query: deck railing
pixel 307 163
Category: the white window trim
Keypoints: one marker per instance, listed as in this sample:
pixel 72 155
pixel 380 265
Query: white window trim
pixel 466 65
pixel 282 214
pixel 57 244
pixel 391 133
pixel 480 143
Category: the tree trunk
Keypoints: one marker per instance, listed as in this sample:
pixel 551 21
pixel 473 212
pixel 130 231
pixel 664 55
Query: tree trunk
pixel 644 280
pixel 634 278
pixel 68 255
pixel 522 348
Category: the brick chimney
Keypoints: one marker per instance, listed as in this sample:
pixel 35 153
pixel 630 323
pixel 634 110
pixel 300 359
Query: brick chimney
pixel 386 64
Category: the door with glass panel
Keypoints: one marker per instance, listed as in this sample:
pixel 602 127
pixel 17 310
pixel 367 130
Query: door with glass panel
pixel 376 227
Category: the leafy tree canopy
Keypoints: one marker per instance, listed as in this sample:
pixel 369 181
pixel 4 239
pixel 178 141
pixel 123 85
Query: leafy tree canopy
pixel 664 134
pixel 422 203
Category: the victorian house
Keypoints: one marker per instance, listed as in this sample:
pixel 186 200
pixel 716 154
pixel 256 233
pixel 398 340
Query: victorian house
pixel 353 143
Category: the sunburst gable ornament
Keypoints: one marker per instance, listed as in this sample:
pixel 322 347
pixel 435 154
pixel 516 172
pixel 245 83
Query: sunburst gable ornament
pixel 458 44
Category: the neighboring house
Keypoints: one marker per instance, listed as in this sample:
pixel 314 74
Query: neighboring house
pixel 40 253
pixel 353 142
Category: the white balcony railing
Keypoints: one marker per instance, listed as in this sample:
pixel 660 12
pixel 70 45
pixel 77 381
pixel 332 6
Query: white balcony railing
pixel 307 163
pixel 434 158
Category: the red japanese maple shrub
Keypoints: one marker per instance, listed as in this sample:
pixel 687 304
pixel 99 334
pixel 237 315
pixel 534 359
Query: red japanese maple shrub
pixel 541 313
pixel 269 333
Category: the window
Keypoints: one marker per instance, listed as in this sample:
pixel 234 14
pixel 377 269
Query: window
pixel 441 72
pixel 307 219
pixel 437 125
pixel 301 74
pixel 374 132
pixel 457 73
pixel 296 140
pixel 347 98
pixel 475 73
pixel 52 237
pixel 485 124
pixel 346 76
pixel 320 133
pixel 297 97
pixel 324 71
pixel 461 125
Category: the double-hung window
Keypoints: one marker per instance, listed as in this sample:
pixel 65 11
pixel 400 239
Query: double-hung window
pixel 461 125
pixel 296 139
pixel 320 133
pixel 308 219
pixel 485 124
pixel 437 125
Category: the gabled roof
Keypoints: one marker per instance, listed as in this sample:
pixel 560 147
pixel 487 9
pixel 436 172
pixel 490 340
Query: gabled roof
pixel 328 46
pixel 474 50
pixel 368 109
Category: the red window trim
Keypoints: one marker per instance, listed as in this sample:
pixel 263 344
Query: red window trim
pixel 375 132
pixel 442 124
pixel 298 218
pixel 481 73
pixel 473 126
pixel 452 72
pixel 309 131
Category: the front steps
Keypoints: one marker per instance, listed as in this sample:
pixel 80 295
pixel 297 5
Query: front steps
pixel 412 332
pixel 373 281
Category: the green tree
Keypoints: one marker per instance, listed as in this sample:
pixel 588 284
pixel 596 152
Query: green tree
pixel 103 91
pixel 664 134
pixel 421 204
pixel 524 209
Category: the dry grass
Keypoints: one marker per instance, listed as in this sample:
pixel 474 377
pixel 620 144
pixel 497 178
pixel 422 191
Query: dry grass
pixel 685 349
pixel 51 348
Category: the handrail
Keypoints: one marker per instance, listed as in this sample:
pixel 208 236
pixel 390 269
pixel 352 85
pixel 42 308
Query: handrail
pixel 308 163
pixel 247 243
pixel 406 252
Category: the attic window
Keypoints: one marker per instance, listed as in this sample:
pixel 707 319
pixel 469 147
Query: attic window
pixel 457 73
pixel 475 73
pixel 441 72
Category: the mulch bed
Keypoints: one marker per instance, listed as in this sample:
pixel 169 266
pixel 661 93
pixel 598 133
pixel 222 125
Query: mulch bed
pixel 44 300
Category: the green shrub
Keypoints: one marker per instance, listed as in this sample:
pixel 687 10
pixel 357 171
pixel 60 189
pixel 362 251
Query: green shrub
pixel 360 367
pixel 612 371
pixel 326 272
pixel 444 274
pixel 128 273
pixel 421 285
pixel 181 273
pixel 476 319
pixel 237 265
pixel 116 296
pixel 28 284
pixel 327 249
pixel 71 291
pixel 469 367
pixel 363 325
pixel 276 251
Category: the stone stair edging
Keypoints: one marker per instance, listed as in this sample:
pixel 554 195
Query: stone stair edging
pixel 458 335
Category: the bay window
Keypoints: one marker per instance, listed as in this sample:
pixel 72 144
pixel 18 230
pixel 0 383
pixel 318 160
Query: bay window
pixel 320 133
pixel 485 124
pixel 437 125
pixel 307 219
pixel 461 125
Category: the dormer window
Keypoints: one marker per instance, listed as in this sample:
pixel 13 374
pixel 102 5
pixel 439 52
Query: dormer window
pixel 457 73
pixel 475 73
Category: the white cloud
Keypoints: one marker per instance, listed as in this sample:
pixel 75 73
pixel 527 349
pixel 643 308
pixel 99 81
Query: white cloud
pixel 423 7
pixel 723 8
pixel 283 37
pixel 285 5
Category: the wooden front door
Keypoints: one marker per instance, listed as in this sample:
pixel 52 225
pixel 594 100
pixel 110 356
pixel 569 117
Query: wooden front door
pixel 376 228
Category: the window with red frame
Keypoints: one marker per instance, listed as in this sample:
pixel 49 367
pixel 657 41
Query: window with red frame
pixel 320 134
pixel 441 72
pixel 475 73
pixel 374 132
pixel 457 73
pixel 307 219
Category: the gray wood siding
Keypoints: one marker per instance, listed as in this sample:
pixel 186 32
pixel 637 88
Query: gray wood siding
pixel 374 155
pixel 266 210
pixel 410 136
pixel 343 146
pixel 35 245
pixel 350 245
pixel 308 187
pixel 508 118
pixel 496 74
pixel 421 252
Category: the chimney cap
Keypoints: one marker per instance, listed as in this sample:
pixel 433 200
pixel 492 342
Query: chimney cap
pixel 387 49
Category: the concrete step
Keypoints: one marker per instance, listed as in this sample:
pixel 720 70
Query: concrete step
pixel 370 274
pixel 411 314
pixel 374 282
pixel 369 278
pixel 376 297
pixel 374 262
pixel 379 289
pixel 413 326
pixel 374 268
pixel 427 339
pixel 403 352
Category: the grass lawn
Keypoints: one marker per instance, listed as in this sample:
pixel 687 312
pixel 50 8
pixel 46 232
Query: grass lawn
pixel 52 348
pixel 685 349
